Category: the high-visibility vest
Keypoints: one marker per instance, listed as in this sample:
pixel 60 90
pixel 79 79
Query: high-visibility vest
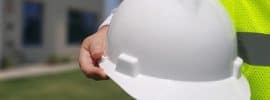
pixel 251 19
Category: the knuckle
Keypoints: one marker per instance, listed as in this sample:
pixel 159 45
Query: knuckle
pixel 97 53
pixel 88 39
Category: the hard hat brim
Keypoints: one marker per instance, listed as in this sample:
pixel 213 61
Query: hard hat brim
pixel 144 87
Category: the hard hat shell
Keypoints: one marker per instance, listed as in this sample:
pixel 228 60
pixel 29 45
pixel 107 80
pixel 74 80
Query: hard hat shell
pixel 174 49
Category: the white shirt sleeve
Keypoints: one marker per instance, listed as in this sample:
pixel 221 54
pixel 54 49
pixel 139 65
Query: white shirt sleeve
pixel 107 21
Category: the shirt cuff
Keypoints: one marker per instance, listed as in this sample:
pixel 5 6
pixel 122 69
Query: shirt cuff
pixel 106 22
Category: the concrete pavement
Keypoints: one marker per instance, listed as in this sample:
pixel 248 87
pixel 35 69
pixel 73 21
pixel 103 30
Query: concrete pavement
pixel 36 70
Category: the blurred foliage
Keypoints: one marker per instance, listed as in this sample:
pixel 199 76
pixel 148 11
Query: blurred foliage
pixel 12 59
pixel 7 62
pixel 55 59
pixel 66 86
pixel 66 59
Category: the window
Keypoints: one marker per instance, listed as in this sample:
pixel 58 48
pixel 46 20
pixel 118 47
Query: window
pixel 32 24
pixel 81 24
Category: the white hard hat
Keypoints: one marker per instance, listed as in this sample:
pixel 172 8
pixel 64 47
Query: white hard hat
pixel 174 50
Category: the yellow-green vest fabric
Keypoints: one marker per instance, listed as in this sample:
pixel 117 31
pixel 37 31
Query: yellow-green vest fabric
pixel 251 19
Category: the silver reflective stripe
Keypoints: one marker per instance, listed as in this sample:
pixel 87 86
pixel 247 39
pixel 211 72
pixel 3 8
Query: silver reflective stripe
pixel 254 48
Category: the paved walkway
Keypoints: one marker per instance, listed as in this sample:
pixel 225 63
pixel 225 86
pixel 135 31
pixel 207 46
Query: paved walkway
pixel 36 70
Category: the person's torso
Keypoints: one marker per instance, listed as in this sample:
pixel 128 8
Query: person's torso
pixel 251 19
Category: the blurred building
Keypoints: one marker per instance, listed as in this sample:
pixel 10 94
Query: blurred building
pixel 1 2
pixel 35 30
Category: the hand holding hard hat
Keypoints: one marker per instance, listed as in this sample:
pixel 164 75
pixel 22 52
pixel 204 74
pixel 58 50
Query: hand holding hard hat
pixel 92 49
pixel 174 50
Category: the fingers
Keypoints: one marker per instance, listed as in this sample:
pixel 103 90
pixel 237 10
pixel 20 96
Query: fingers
pixel 92 49
pixel 91 52
pixel 88 67
pixel 97 74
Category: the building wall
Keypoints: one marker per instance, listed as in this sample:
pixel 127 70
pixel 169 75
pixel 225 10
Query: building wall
pixel 54 29
pixel 1 40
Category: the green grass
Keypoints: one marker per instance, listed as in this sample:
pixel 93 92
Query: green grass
pixel 66 86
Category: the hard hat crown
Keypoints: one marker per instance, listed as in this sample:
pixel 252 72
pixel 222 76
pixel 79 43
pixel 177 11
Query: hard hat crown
pixel 182 47
pixel 172 41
